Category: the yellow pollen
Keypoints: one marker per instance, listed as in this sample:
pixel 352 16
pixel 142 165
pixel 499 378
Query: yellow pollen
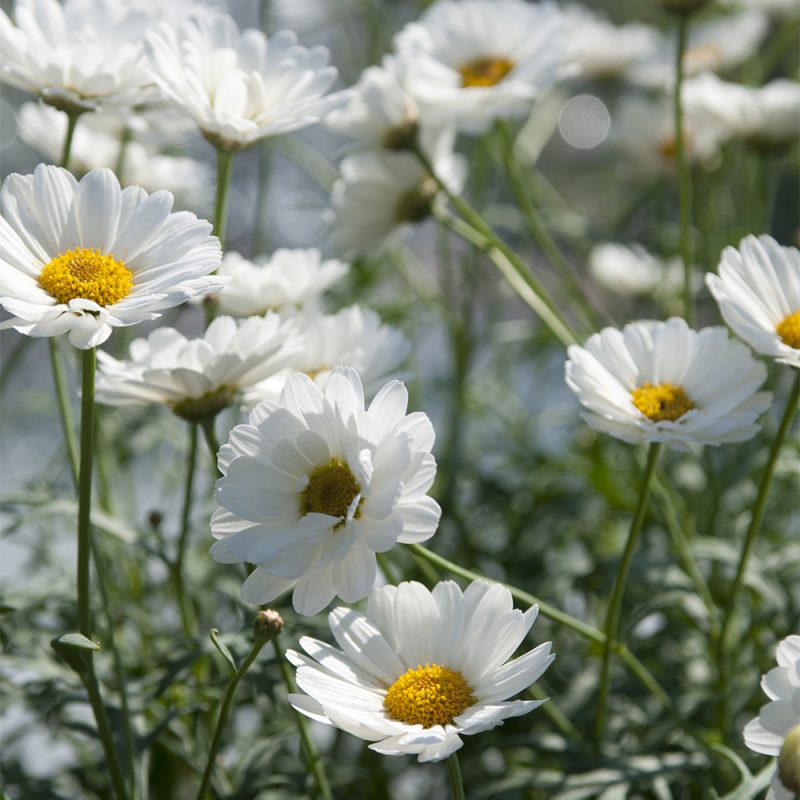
pixel 331 489
pixel 789 330
pixel 88 275
pixel 428 696
pixel 664 401
pixel 485 71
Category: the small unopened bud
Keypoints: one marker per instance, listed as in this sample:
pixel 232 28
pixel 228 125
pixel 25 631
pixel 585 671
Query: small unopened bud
pixel 155 518
pixel 682 6
pixel 789 761
pixel 268 625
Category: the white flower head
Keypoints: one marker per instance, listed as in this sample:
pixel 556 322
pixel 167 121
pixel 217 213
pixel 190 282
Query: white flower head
pixel 420 669
pixel 664 382
pixel 86 256
pixel 767 116
pixel 287 281
pixel 382 193
pixel 632 270
pixel 77 55
pixel 197 378
pixel 353 337
pixel 315 485
pixel 241 87
pixel 758 292
pixel 475 61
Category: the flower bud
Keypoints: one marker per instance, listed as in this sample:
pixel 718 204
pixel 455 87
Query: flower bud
pixel 789 761
pixel 268 624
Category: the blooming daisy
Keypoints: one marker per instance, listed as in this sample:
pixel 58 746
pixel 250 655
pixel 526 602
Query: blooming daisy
pixel 315 485
pixel 477 60
pixel 353 337
pixel 197 378
pixel 86 256
pixel 240 87
pixel 758 292
pixel 780 718
pixel 421 668
pixel 286 281
pixel 664 382
pixel 76 55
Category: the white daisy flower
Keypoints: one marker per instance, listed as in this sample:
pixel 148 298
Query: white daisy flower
pixel 76 55
pixel 86 256
pixel 758 292
pixel 664 382
pixel 766 116
pixel 353 337
pixel 198 378
pixel 241 87
pixel 380 193
pixel 633 270
pixel 315 485
pixel 477 60
pixel 421 668
pixel 287 281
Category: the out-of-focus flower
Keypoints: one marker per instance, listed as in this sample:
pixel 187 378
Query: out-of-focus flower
pixel 198 378
pixel 632 270
pixel 664 382
pixel 602 49
pixel 717 45
pixel 96 143
pixel 288 281
pixel 380 192
pixel 353 337
pixel 766 116
pixel 779 720
pixel 758 292
pixel 78 55
pixel 241 87
pixel 477 60
pixel 421 668
pixel 86 256
pixel 315 485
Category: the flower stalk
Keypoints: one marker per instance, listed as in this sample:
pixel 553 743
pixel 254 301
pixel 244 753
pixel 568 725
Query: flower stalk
pixel 186 511
pixel 66 150
pixel 455 778
pixel 224 171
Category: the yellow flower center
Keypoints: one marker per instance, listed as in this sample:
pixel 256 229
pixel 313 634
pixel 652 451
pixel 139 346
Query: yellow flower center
pixel 789 330
pixel 662 401
pixel 88 275
pixel 331 490
pixel 485 71
pixel 428 696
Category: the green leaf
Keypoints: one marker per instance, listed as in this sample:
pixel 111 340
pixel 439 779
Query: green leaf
pixel 75 649
pixel 226 654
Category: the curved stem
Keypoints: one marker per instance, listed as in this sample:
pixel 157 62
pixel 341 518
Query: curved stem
pixel 64 408
pixel 224 713
pixel 224 169
pixel 66 150
pixel 183 602
pixel 684 179
pixel 454 776
pixel 611 626
pixel 315 765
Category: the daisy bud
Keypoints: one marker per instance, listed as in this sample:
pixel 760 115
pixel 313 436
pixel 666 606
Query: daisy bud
pixel 682 6
pixel 789 760
pixel 268 625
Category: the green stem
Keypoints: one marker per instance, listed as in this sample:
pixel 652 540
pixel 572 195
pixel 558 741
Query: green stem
pixel 224 713
pixel 66 151
pixel 124 140
pixel 454 776
pixel 224 170
pixel 315 765
pixel 88 363
pixel 183 602
pixel 611 626
pixel 210 435
pixel 684 179
pixel 64 408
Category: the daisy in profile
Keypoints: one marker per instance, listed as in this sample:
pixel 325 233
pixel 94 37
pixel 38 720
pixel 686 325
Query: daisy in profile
pixel 315 485
pixel 198 378
pixel 758 292
pixel 353 337
pixel 420 669
pixel 83 257
pixel 77 55
pixel 664 382
pixel 288 281
pixel 475 61
pixel 240 87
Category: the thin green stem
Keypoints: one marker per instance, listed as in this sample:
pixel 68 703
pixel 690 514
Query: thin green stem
pixel 315 764
pixel 684 178
pixel 186 512
pixel 224 713
pixel 88 363
pixel 210 435
pixel 611 627
pixel 64 408
pixel 66 150
pixel 454 776
pixel 224 170
pixel 124 140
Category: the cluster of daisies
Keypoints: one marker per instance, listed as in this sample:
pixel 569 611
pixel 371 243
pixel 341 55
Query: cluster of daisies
pixel 330 469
